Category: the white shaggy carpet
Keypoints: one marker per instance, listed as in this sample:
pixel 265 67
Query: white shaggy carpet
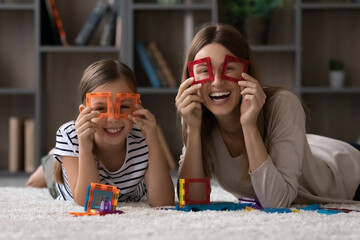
pixel 28 213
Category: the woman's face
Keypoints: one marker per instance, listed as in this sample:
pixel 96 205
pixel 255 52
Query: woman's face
pixel 112 131
pixel 220 96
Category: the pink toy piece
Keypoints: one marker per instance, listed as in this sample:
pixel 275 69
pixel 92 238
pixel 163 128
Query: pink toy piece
pixel 233 74
pixel 203 70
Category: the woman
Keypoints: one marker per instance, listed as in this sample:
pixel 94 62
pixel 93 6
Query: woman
pixel 251 139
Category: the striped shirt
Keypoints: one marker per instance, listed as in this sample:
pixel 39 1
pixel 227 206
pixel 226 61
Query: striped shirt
pixel 129 179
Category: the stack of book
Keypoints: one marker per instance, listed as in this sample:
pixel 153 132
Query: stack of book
pixel 155 65
pixel 53 33
pixel 21 145
pixel 112 27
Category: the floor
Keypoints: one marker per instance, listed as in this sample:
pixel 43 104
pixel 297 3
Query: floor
pixel 13 179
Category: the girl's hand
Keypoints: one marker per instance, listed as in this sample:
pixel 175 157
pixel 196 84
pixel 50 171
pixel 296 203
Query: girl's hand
pixel 146 122
pixel 85 128
pixel 253 99
pixel 188 103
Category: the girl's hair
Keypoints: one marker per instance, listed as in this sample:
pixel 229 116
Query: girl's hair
pixel 234 41
pixel 95 75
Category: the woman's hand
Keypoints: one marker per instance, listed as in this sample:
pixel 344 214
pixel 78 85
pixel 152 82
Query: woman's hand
pixel 188 103
pixel 85 128
pixel 253 99
pixel 146 122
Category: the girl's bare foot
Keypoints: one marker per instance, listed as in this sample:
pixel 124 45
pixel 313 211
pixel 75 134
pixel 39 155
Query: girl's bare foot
pixel 37 179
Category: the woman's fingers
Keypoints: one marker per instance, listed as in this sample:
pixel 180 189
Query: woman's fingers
pixel 188 100
pixel 183 93
pixel 183 86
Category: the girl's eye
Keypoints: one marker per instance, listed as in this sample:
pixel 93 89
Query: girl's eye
pixel 125 106
pixel 101 109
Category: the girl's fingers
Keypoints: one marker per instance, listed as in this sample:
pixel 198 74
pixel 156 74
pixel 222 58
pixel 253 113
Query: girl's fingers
pixel 145 113
pixel 82 127
pixel 87 114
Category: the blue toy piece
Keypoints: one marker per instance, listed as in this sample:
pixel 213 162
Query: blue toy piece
pixel 277 210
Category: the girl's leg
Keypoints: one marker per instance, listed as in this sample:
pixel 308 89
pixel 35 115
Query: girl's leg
pixel 37 178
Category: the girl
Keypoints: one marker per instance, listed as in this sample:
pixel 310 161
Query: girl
pixel 123 152
pixel 251 139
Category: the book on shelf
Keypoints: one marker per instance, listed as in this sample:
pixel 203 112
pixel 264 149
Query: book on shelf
pixel 169 157
pixel 147 64
pixel 162 65
pixel 15 144
pixel 29 145
pixel 157 67
pixel 108 34
pixel 49 32
pixel 91 23
pixel 58 23
pixel 118 29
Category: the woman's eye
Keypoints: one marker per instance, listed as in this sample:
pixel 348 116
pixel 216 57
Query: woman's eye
pixel 202 71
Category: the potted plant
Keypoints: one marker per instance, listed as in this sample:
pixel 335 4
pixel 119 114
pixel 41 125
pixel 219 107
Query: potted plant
pixel 336 73
pixel 253 15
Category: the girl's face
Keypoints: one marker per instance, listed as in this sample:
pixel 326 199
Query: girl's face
pixel 112 131
pixel 221 97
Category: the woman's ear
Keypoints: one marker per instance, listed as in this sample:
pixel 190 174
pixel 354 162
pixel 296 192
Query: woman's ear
pixel 81 107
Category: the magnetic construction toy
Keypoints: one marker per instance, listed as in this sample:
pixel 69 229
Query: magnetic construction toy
pixel 101 199
pixel 202 71
pixel 102 102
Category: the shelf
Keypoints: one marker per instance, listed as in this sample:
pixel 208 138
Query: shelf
pixel 17 6
pixel 329 6
pixel 150 90
pixel 273 48
pixel 79 49
pixel 174 7
pixel 17 91
pixel 328 90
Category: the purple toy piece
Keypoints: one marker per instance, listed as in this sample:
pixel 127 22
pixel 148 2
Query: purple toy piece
pixel 105 206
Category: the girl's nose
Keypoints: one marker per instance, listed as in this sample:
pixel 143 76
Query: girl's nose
pixel 112 118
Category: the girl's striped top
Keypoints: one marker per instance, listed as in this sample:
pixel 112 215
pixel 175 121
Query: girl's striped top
pixel 129 179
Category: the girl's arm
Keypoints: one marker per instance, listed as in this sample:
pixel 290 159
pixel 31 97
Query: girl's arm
pixel 82 171
pixel 159 185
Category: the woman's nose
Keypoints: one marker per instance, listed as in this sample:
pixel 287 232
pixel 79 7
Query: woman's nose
pixel 217 79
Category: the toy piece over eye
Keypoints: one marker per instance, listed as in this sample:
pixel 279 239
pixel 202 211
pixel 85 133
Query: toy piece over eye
pixel 125 104
pixel 233 67
pixel 101 102
pixel 201 70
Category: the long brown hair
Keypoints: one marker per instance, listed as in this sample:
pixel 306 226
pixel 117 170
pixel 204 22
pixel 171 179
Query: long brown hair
pixel 95 75
pixel 234 41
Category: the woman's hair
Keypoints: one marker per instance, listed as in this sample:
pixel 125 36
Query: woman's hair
pixel 95 75
pixel 234 41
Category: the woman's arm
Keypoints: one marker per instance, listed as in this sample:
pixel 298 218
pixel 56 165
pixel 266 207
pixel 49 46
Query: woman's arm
pixel 275 178
pixel 188 104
